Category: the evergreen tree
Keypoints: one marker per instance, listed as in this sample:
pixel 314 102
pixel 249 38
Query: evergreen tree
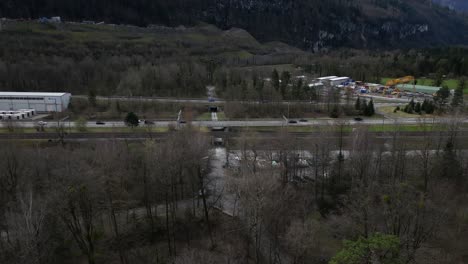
pixel 417 108
pixel 424 106
pixel 357 105
pixel 275 81
pixel 285 78
pixel 369 111
pixel 131 120
pixel 441 96
pixel 363 106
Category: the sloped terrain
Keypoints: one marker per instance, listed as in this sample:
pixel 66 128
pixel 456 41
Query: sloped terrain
pixel 309 24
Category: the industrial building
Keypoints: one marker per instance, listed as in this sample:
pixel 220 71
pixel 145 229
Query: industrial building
pixel 339 80
pixel 40 102
pixel 418 88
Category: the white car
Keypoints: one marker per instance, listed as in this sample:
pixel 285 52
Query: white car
pixel 42 123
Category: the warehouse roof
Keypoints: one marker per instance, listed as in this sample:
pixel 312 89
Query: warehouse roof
pixel 326 78
pixel 339 79
pixel 419 88
pixel 30 94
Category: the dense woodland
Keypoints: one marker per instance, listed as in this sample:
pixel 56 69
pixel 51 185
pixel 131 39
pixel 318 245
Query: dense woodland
pixel 159 202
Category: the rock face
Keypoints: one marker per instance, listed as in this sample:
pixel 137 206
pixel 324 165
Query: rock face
pixel 309 24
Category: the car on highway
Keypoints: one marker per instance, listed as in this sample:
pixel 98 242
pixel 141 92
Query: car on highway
pixel 303 121
pixel 182 122
pixel 292 122
pixel 42 123
pixel 100 123
pixel 358 119
pixel 148 122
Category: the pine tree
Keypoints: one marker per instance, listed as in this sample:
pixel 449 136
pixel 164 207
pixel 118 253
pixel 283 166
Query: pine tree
pixel 363 106
pixel 357 105
pixel 417 108
pixel 424 106
pixel 131 120
pixel 370 111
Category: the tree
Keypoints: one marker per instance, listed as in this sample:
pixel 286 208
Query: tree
pixel 335 113
pixel 285 78
pixel 275 80
pixel 457 99
pixel 80 124
pixel 131 120
pixel 92 97
pixel 417 108
pixel 441 96
pixel 378 248
pixel 363 107
pixel 439 79
pixel 357 105
pixel 369 110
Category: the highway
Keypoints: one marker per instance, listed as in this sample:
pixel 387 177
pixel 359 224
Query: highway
pixel 253 123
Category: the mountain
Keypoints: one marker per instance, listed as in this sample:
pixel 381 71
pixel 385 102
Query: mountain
pixel 457 5
pixel 310 24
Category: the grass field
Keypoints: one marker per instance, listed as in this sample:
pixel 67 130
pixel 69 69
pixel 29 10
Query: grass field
pixel 388 111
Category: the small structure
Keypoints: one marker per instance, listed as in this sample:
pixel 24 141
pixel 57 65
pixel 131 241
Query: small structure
pixel 40 102
pixel 315 85
pixel 326 78
pixel 339 81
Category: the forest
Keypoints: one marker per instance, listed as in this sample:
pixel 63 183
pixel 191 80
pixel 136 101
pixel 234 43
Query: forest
pixel 341 196
pixel 176 62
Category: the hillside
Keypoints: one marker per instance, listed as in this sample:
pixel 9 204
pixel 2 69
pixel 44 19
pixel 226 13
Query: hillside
pixel 110 59
pixel 309 24
pixel 458 5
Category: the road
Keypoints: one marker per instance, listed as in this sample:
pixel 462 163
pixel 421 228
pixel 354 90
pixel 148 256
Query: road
pixel 257 123
pixel 391 101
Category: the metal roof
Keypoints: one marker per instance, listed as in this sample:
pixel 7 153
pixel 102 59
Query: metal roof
pixel 315 84
pixel 419 88
pixel 339 79
pixel 30 94
pixel 326 78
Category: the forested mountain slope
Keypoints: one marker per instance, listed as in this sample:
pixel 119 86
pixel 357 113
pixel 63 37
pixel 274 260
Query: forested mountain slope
pixel 458 5
pixel 310 24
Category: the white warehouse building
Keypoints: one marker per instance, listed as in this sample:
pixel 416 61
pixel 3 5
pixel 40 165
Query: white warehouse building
pixel 41 102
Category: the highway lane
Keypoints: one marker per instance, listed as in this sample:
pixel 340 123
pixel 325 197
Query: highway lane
pixel 253 123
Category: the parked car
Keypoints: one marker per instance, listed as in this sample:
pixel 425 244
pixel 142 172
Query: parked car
pixel 42 123
pixel 303 121
pixel 148 122
pixel 292 122
pixel 358 119
pixel 100 123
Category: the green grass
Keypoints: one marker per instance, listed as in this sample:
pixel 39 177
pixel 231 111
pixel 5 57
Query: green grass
pixel 451 83
pixel 389 111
